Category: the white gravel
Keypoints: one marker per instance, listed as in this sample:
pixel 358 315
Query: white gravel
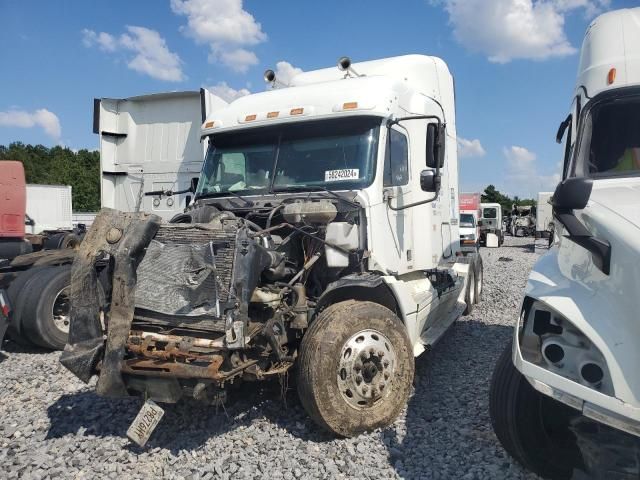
pixel 54 426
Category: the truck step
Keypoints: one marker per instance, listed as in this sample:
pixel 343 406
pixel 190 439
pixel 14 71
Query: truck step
pixel 434 333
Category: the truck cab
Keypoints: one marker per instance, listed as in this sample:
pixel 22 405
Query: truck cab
pixel 574 354
pixel 492 224
pixel 323 234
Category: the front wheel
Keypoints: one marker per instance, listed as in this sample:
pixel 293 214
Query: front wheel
pixel 532 428
pixel 355 368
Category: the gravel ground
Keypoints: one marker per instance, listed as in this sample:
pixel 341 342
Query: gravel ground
pixel 52 425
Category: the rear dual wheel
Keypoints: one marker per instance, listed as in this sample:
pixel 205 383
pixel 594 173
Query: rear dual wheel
pixel 41 307
pixel 356 368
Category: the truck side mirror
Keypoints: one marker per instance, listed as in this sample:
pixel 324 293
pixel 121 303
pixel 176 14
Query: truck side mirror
pixel 572 194
pixel 562 128
pixel 429 181
pixel 194 185
pixel 436 135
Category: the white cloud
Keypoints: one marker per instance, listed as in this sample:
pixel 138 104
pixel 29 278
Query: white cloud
pixel 151 54
pixel 105 41
pixel 505 30
pixel 227 93
pixel 470 148
pixel 285 72
pixel 43 118
pixel 522 174
pixel 225 27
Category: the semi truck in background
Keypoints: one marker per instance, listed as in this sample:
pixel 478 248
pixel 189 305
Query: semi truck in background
pixel 492 228
pixel 522 222
pixel 565 394
pixel 148 144
pixel 470 223
pixel 323 234
pixel 544 215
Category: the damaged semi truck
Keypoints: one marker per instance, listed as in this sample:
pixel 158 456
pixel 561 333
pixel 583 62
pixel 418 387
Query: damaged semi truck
pixel 567 389
pixel 323 236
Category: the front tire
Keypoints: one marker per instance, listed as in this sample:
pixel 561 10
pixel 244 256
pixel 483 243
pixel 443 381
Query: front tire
pixel 356 368
pixel 532 428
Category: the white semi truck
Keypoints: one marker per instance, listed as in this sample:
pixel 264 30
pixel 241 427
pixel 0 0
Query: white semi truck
pixel 574 356
pixel 491 224
pixel 324 234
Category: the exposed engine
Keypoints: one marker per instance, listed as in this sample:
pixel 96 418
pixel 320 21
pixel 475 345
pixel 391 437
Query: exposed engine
pixel 222 294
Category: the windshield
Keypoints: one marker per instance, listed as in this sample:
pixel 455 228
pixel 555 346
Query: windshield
pixel 489 213
pixel 336 154
pixel 610 143
pixel 467 220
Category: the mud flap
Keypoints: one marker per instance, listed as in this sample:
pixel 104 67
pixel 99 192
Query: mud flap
pixel 123 236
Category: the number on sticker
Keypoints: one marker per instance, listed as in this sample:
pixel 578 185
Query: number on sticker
pixel 344 174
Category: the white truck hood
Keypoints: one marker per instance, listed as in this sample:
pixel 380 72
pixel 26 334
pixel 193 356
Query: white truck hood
pixel 621 197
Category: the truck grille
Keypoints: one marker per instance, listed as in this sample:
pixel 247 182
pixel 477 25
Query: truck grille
pixel 185 275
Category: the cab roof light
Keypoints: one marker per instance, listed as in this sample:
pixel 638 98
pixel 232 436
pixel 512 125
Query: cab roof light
pixel 296 111
pixel 611 77
pixel 250 118
pixel 209 124
pixel 350 105
pixel 273 114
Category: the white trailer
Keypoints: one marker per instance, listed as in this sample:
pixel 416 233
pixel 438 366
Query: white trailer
pixel 49 207
pixel 575 356
pixel 544 215
pixel 324 234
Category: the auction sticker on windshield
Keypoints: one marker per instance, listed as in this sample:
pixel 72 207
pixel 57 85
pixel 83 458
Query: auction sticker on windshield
pixel 145 422
pixel 344 174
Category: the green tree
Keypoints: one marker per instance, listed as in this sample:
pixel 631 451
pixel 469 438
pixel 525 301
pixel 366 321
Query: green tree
pixel 60 166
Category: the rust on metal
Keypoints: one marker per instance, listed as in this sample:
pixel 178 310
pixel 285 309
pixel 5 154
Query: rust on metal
pixel 159 368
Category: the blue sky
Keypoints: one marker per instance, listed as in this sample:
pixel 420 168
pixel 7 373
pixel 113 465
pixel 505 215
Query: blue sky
pixel 514 62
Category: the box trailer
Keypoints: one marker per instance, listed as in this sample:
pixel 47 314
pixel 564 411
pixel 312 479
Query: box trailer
pixel 49 207
pixel 470 215
pixel 544 215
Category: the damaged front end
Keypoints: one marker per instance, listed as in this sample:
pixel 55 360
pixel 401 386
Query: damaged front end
pixel 190 307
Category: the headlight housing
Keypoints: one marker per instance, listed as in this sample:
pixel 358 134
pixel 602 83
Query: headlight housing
pixel 551 341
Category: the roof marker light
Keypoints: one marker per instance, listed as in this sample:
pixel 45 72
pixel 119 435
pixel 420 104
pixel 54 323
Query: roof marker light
pixel 611 77
pixel 350 105
pixel 209 124
pixel 296 111
pixel 273 114
pixel 250 118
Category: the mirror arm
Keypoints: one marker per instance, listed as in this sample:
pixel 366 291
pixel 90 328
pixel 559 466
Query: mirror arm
pixel 168 193
pixel 415 204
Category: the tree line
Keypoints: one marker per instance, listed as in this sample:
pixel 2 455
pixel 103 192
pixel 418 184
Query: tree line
pixel 491 195
pixel 60 166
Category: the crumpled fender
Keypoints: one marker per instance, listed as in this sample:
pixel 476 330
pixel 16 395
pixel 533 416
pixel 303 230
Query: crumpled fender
pixel 123 236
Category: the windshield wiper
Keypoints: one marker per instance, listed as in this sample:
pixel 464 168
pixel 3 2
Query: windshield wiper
pixel 315 188
pixel 228 192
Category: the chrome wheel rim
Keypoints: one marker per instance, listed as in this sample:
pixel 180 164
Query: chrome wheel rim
pixel 366 369
pixel 61 309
